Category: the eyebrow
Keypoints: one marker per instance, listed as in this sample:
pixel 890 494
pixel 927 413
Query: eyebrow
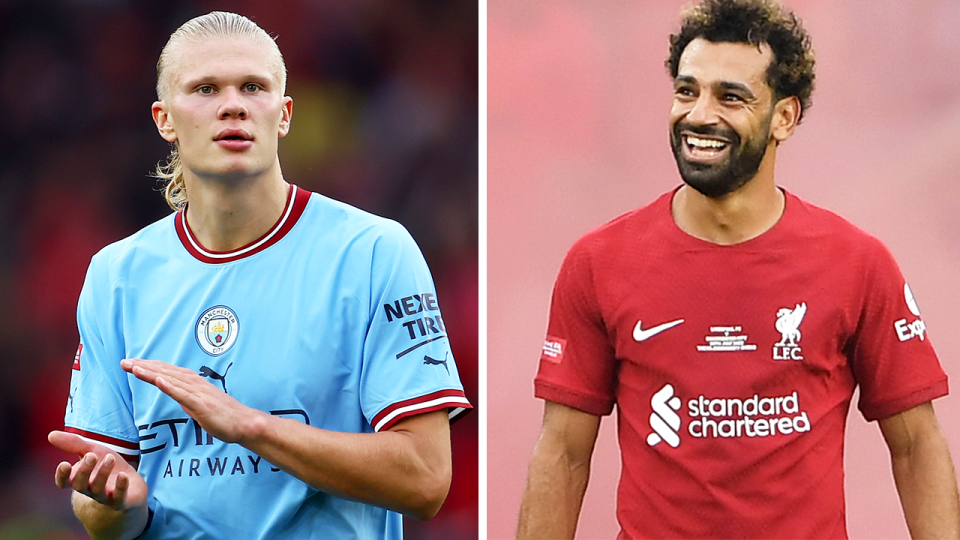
pixel 722 85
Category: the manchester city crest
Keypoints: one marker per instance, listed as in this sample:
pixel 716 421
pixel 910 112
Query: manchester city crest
pixel 217 330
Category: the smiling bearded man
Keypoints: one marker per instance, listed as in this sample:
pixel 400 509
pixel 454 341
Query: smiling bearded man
pixel 729 322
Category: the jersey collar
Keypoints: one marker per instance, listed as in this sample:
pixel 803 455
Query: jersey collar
pixel 296 202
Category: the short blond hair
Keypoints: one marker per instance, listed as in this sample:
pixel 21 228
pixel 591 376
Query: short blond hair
pixel 216 24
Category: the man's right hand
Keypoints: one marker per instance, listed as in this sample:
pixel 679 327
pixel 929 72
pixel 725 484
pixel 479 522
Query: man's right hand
pixel 115 502
pixel 101 474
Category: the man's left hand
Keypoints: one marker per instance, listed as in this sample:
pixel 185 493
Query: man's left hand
pixel 217 413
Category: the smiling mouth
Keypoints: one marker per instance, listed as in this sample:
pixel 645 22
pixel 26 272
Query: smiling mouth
pixel 700 147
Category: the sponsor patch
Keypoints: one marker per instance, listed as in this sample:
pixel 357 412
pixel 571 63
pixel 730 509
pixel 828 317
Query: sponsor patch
pixel 724 418
pixel 664 420
pixel 907 330
pixel 419 314
pixel 553 349
pixel 911 300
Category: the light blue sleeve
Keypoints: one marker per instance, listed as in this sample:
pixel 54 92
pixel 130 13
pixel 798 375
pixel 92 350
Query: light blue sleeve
pixel 100 405
pixel 408 366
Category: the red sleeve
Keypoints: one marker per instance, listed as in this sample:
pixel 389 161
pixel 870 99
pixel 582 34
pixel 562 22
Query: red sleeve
pixel 577 365
pixel 893 359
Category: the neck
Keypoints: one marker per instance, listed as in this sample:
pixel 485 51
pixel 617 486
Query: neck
pixel 737 217
pixel 227 214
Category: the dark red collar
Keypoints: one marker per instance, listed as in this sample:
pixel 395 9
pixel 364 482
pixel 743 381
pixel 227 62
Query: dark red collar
pixel 296 202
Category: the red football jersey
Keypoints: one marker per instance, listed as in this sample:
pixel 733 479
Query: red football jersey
pixel 733 367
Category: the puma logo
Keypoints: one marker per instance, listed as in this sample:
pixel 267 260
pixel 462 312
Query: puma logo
pixel 435 362
pixel 208 372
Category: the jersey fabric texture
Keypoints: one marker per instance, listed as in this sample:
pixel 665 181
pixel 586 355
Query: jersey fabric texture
pixel 330 319
pixel 733 367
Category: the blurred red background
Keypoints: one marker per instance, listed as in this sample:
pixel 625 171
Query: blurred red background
pixel 577 134
pixel 386 101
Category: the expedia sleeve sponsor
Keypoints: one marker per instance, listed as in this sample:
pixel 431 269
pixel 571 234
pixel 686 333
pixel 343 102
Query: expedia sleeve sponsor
pixel 915 328
pixel 893 361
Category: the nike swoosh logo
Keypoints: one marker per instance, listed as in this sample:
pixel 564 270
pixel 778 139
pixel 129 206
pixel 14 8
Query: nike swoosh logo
pixel 640 334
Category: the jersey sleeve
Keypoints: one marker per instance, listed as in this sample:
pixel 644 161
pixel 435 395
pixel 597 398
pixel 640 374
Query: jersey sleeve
pixel 577 365
pixel 408 367
pixel 893 360
pixel 100 405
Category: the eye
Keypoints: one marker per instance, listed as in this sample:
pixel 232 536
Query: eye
pixel 685 91
pixel 251 87
pixel 205 90
pixel 732 98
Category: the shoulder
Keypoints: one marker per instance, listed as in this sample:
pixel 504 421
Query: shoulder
pixel 337 227
pixel 626 232
pixel 603 254
pixel 829 230
pixel 113 257
pixel 349 221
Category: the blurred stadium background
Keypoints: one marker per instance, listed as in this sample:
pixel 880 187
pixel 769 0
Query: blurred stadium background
pixel 385 102
pixel 577 134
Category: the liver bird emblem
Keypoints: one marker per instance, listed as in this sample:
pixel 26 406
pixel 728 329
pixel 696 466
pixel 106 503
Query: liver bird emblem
pixel 788 324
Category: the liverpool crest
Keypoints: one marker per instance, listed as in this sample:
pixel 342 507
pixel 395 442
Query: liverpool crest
pixel 788 324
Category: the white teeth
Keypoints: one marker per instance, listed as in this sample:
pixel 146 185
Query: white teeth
pixel 704 143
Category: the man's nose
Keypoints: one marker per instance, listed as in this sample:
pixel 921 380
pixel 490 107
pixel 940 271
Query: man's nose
pixel 704 111
pixel 232 104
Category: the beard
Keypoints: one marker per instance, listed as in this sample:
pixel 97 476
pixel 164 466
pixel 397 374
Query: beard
pixel 716 180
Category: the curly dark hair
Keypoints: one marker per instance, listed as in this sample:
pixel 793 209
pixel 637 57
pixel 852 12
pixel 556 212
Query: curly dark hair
pixel 754 22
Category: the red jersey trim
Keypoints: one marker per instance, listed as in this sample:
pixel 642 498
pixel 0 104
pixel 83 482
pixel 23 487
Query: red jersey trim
pixel 128 450
pixel 899 404
pixel 589 404
pixel 296 202
pixel 455 400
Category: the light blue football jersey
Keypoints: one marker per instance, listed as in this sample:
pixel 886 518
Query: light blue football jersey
pixel 331 319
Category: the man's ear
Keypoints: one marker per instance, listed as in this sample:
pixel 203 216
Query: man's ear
pixel 286 114
pixel 786 116
pixel 161 117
